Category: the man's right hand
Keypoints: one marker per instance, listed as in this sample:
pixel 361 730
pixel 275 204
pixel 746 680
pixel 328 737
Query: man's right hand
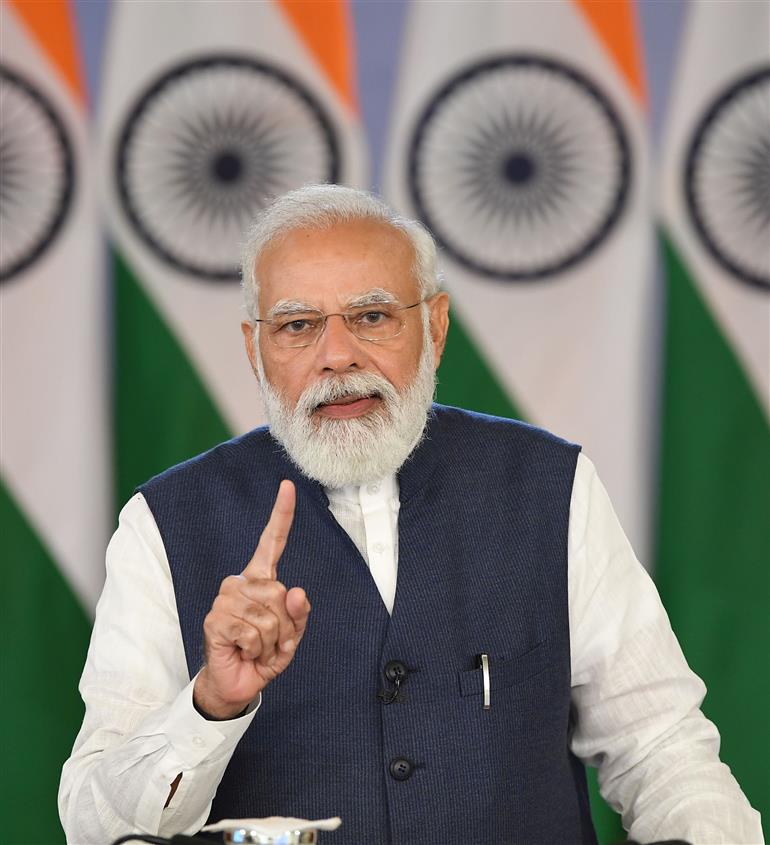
pixel 255 624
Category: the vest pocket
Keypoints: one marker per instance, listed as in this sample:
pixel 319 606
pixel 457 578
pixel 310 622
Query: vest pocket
pixel 505 673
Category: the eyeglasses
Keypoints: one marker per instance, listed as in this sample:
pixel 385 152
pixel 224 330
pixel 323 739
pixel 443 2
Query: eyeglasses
pixel 375 323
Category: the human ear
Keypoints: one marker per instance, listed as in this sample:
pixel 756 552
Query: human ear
pixel 248 341
pixel 439 323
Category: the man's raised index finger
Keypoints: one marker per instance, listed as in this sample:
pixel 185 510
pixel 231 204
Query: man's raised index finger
pixel 272 541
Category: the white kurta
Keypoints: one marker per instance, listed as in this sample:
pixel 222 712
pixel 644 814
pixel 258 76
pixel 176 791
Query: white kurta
pixel 636 702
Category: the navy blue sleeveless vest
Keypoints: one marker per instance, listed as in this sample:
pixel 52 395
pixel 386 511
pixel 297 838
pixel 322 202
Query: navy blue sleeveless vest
pixel 482 535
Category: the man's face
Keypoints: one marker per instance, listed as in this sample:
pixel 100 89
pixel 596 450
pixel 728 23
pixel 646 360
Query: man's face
pixel 329 270
pixel 346 410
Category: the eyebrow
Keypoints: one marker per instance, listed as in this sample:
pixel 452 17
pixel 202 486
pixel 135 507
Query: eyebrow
pixel 289 306
pixel 375 296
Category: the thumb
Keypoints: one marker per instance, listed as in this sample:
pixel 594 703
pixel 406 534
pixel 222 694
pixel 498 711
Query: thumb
pixel 298 607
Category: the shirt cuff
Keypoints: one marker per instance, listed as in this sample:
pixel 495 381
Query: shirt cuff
pixel 195 738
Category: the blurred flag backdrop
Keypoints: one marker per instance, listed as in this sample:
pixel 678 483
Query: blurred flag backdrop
pixel 55 502
pixel 524 150
pixel 524 135
pixel 713 559
pixel 225 109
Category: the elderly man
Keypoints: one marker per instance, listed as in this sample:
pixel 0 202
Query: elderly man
pixel 479 630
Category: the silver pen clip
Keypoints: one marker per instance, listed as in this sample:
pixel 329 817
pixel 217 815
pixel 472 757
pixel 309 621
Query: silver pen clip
pixel 484 663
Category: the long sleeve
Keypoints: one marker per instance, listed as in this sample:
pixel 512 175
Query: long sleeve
pixel 140 728
pixel 636 701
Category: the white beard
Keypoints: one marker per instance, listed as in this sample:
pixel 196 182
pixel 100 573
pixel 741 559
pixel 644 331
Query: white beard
pixel 338 452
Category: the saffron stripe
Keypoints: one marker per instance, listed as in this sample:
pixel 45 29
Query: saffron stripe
pixel 52 25
pixel 616 25
pixel 326 30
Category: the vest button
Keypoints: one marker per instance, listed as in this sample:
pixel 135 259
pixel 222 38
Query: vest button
pixel 401 768
pixel 395 669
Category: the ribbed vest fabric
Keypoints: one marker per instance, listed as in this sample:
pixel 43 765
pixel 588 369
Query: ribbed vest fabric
pixel 482 568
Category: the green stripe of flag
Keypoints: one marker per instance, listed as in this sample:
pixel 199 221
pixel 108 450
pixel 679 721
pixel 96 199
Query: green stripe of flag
pixel 465 378
pixel 42 655
pixel 163 412
pixel 713 562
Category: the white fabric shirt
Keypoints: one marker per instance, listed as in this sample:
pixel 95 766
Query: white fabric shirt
pixel 636 702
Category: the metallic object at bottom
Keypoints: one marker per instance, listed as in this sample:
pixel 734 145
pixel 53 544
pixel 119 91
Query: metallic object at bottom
pixel 250 836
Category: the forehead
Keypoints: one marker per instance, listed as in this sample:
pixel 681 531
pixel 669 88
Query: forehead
pixel 329 267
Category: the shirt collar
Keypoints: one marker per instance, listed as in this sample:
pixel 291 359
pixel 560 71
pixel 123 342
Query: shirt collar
pixel 377 491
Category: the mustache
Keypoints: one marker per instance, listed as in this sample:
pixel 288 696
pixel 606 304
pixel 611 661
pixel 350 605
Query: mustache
pixel 334 388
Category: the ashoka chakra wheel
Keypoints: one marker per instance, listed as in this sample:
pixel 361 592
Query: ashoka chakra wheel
pixel 207 146
pixel 727 178
pixel 520 167
pixel 36 174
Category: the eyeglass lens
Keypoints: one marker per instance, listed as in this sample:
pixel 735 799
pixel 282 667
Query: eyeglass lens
pixel 381 322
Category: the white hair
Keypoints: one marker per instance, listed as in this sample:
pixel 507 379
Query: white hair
pixel 323 206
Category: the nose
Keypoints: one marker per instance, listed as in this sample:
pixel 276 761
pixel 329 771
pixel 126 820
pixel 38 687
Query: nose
pixel 338 349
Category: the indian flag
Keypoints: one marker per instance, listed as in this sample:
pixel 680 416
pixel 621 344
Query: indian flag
pixel 230 105
pixel 523 149
pixel 55 503
pixel 713 560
